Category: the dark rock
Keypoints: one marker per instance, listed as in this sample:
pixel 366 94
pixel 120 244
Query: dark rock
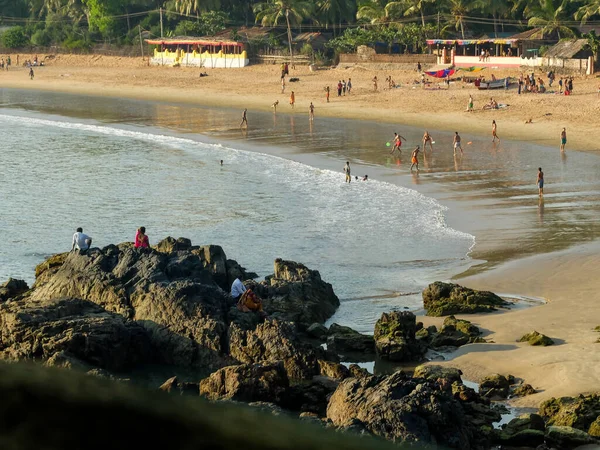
pixel 274 341
pixel 318 331
pixel 577 412
pixel 333 370
pixel 443 299
pixel 567 437
pixel 594 429
pixel 358 372
pixel 268 408
pixel 345 340
pixel 171 245
pixel 404 409
pixel 525 422
pixel 81 332
pixel 535 338
pixel 296 294
pixel 462 392
pixel 494 387
pixel 523 390
pixel 434 372
pixel 310 396
pixel 174 386
pixel 454 333
pixel 525 438
pixel 395 337
pixel 12 288
pixel 247 383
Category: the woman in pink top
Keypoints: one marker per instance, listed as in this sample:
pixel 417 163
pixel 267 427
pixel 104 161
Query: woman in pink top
pixel 141 240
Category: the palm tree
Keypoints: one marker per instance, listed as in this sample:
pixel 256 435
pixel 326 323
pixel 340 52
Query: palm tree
pixel 458 10
pixel 495 8
pixel 379 11
pixel 550 17
pixel 273 11
pixel 189 7
pixel 593 43
pixel 336 11
pixel 589 9
pixel 413 7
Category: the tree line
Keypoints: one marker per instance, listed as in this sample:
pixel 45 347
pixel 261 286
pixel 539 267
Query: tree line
pixel 79 24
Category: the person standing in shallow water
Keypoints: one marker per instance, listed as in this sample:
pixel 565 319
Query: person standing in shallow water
pixel 141 240
pixel 563 139
pixel 347 172
pixel 244 119
pixel 415 159
pixel 540 182
pixel 494 135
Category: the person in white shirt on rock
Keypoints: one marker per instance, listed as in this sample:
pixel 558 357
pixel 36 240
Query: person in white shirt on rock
pixel 237 289
pixel 81 241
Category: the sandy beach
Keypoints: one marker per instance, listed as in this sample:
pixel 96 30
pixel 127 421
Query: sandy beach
pixel 565 278
pixel 257 87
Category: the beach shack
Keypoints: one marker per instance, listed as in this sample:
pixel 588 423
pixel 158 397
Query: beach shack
pixel 198 52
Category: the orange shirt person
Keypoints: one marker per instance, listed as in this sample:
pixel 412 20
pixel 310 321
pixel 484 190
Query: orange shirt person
pixel 292 99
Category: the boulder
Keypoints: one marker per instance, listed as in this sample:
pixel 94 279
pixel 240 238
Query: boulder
pixel 333 370
pixel 311 397
pixel 594 429
pixel 434 372
pixel 577 412
pixel 494 386
pixel 12 288
pixel 525 438
pixel 405 409
pixel 535 338
pixel 247 382
pixel 523 390
pixel 525 422
pixel 454 333
pixel 72 333
pixel 296 294
pixel 358 372
pixel 174 386
pixel 443 299
pixel 567 437
pixel 318 331
pixel 342 340
pixel 395 337
pixel 274 341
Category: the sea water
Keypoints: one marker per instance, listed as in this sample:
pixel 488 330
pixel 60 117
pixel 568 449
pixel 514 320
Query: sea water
pixel 377 243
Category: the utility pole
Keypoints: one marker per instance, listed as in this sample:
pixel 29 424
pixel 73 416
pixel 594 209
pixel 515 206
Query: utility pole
pixel 141 43
pixel 161 24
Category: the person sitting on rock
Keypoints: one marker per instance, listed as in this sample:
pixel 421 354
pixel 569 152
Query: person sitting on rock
pixel 81 241
pixel 250 302
pixel 237 289
pixel 141 240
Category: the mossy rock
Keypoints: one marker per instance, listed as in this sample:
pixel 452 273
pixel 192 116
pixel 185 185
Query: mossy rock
pixel 524 438
pixel 434 371
pixel 53 262
pixel 577 412
pixel 523 390
pixel 594 429
pixel 535 338
pixel 443 299
pixel 567 437
pixel 494 386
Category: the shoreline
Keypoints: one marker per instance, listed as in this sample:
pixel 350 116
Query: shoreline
pixel 530 276
pixel 122 77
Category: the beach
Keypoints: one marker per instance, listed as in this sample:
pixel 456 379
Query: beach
pixel 538 259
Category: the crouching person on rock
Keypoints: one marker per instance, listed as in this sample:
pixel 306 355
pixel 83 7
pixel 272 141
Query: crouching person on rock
pixel 81 241
pixel 247 301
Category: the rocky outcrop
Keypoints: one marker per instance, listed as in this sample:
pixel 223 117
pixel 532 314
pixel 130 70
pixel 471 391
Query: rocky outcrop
pixel 443 299
pixel 12 288
pixel 247 383
pixel 523 390
pixel 274 341
pixel 296 294
pixel 318 331
pixel 527 430
pixel 174 386
pixel 344 340
pixel 404 409
pixel 395 337
pixel 435 372
pixel 577 412
pixel 535 338
pixel 454 333
pixel 72 333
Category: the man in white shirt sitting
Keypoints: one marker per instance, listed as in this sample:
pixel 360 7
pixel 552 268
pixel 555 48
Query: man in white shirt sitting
pixel 237 289
pixel 81 241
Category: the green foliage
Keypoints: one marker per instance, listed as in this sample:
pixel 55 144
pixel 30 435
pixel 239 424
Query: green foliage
pixel 593 43
pixel 207 24
pixel 14 38
pixel 410 36
pixel 306 50
pixel 76 44
pixel 41 38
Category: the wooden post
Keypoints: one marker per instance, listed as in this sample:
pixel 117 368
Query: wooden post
pixel 141 43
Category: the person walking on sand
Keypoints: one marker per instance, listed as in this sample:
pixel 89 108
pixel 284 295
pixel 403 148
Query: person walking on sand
pixel 327 94
pixel 347 172
pixel 397 143
pixel 292 99
pixel 31 74
pixel 494 135
pixel 349 86
pixel 339 88
pixel 470 104
pixel 311 112
pixel 141 240
pixel 415 159
pixel 375 83
pixel 244 119
pixel 274 106
pixel 540 182
pixel 81 241
pixel 563 139
pixel 457 143
pixel 427 138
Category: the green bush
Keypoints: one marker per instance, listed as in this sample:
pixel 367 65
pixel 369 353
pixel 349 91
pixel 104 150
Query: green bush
pixel 14 38
pixel 76 44
pixel 188 28
pixel 306 49
pixel 41 38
